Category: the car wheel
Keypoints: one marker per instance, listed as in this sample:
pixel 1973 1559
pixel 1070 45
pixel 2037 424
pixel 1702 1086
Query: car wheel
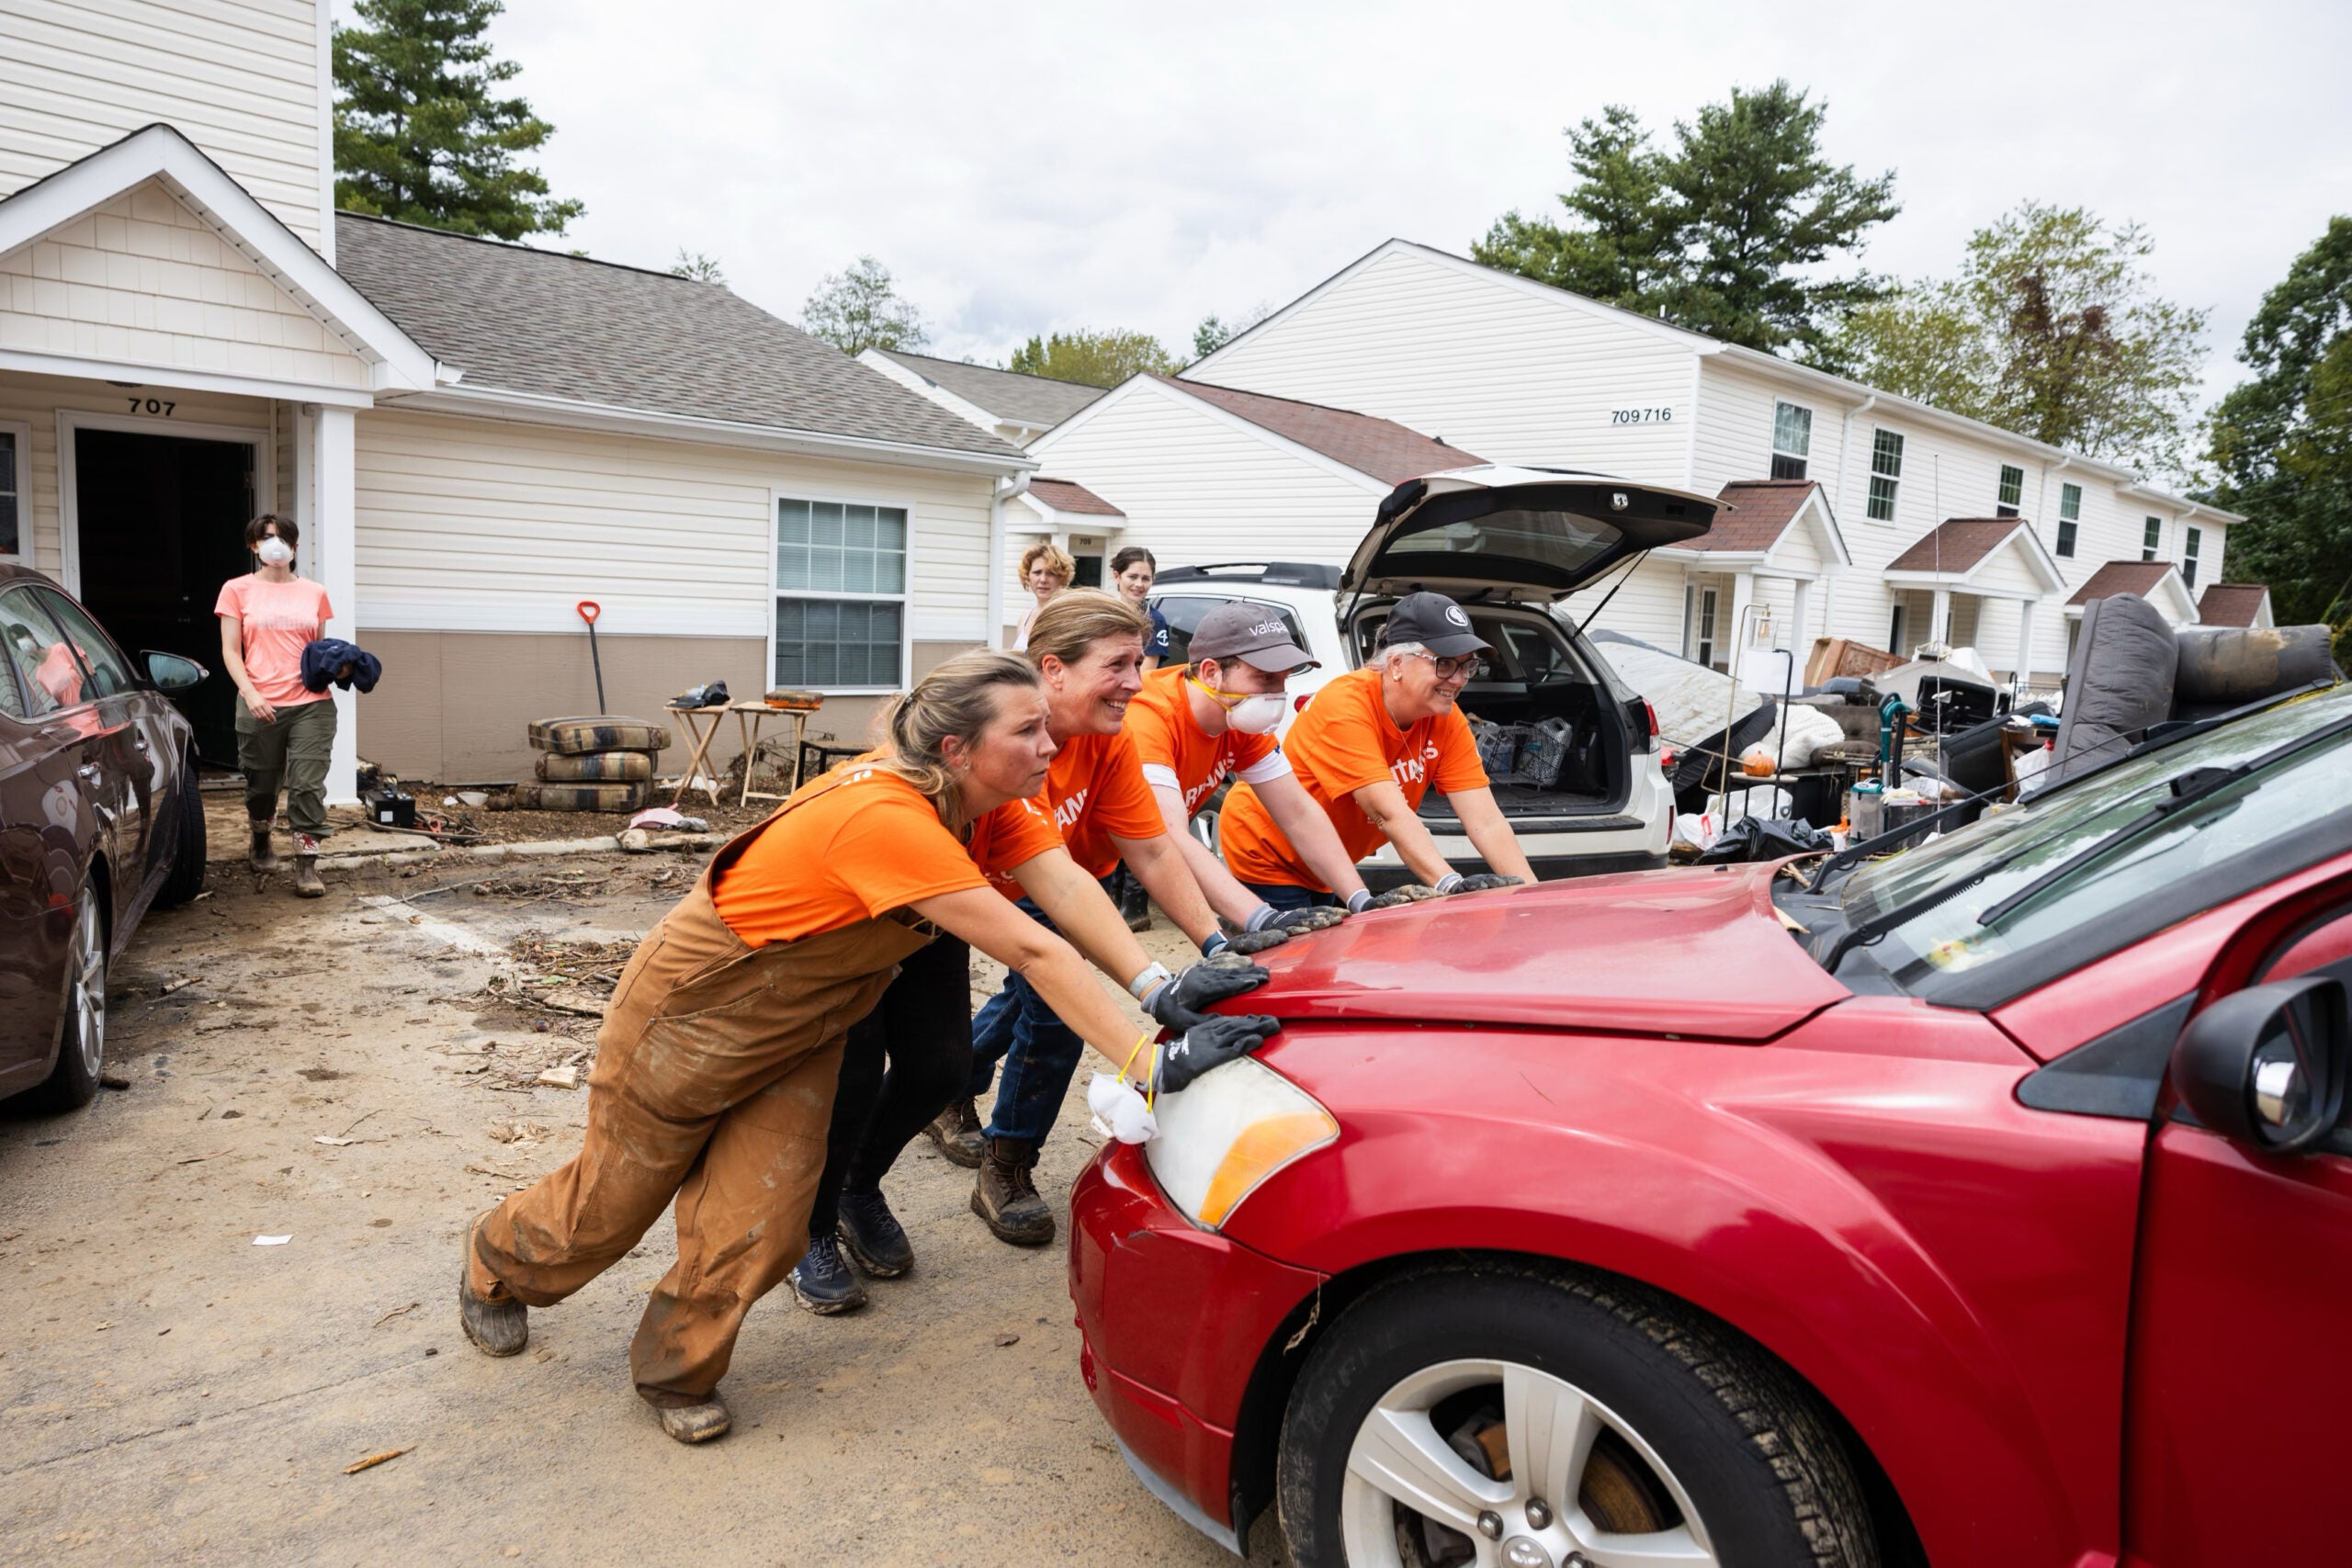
pixel 82 1044
pixel 187 878
pixel 1205 829
pixel 1510 1415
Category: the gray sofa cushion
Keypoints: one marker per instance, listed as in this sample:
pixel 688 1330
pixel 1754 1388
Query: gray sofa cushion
pixel 2222 668
pixel 2120 682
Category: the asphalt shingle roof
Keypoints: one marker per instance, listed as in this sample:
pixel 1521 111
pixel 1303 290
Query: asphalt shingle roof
pixel 1009 395
pixel 2231 604
pixel 1955 545
pixel 2122 577
pixel 1068 495
pixel 1760 513
pixel 529 321
pixel 1383 448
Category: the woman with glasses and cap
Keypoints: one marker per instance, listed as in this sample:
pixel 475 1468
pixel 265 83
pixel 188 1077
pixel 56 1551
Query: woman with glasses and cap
pixel 1368 747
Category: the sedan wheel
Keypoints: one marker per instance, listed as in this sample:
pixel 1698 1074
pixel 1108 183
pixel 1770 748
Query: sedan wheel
pixel 82 1044
pixel 1494 1463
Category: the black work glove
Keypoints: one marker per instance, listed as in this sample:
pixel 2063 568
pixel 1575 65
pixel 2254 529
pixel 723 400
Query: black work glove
pixel 1410 892
pixel 1484 880
pixel 1211 1043
pixel 1181 1004
pixel 1241 944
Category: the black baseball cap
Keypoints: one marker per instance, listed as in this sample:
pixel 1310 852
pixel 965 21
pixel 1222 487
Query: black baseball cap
pixel 1437 623
pixel 1251 633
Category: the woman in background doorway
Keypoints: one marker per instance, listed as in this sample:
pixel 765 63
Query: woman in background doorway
pixel 285 730
pixel 1045 571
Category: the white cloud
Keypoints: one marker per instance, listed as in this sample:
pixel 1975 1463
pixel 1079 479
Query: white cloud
pixel 1057 165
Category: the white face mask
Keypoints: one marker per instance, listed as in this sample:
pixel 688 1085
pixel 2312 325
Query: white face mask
pixel 1259 715
pixel 275 551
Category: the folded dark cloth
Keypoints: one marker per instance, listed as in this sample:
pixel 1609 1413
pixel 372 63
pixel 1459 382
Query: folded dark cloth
pixel 331 660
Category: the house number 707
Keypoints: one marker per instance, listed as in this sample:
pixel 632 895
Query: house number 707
pixel 153 405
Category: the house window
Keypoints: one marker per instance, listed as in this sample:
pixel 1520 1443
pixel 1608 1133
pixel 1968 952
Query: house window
pixel 840 595
pixel 2152 537
pixel 1791 440
pixel 2012 491
pixel 1886 474
pixel 12 543
pixel 2070 516
pixel 2192 538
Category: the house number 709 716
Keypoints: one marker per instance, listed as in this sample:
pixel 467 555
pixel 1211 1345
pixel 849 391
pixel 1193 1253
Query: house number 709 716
pixel 153 405
pixel 1641 416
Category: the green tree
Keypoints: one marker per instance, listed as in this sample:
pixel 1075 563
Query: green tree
pixel 698 265
pixel 2052 329
pixel 859 308
pixel 419 134
pixel 1096 358
pixel 1726 233
pixel 2282 441
pixel 1214 332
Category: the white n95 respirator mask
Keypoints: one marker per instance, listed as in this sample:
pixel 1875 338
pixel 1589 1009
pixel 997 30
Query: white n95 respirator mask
pixel 275 552
pixel 1119 1110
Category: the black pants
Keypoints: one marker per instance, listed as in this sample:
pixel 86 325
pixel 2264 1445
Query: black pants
pixel 922 1026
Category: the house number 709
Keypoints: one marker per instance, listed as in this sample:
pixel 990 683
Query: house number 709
pixel 153 405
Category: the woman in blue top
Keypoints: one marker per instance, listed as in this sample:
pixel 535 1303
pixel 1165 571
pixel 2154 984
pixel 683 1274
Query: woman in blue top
pixel 1134 571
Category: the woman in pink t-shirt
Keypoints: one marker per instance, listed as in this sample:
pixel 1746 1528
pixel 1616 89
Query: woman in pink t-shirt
pixel 285 730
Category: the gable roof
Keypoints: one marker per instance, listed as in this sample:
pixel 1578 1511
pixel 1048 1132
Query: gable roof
pixel 2233 603
pixel 1759 512
pixel 1068 495
pixel 1012 397
pixel 2140 577
pixel 1378 447
pixel 617 337
pixel 1956 544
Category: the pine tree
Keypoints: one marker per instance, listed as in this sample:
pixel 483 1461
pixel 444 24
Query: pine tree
pixel 418 134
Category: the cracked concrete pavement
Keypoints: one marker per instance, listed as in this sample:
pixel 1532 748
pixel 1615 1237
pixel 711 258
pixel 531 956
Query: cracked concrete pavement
pixel 335 1073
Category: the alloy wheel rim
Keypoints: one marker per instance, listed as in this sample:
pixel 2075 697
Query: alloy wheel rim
pixel 89 968
pixel 1401 1465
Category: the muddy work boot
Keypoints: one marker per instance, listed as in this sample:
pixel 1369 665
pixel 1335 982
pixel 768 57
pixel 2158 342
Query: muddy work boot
pixel 823 1283
pixel 876 1240
pixel 263 855
pixel 1006 1199
pixel 698 1423
pixel 307 880
pixel 497 1328
pixel 957 1131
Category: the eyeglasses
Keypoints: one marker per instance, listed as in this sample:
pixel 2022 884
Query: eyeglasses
pixel 1469 667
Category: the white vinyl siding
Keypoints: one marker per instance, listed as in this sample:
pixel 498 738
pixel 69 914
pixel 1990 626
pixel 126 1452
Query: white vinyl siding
pixel 486 526
pixel 1475 359
pixel 241 81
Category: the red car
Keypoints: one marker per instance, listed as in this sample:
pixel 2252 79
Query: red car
pixel 1986 1204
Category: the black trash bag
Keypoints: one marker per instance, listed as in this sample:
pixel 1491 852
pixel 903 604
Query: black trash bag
pixel 1764 838
pixel 712 694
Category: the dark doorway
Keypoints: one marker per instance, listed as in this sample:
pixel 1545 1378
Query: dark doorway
pixel 161 521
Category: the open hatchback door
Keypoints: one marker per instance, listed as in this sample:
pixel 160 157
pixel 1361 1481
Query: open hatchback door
pixel 1496 533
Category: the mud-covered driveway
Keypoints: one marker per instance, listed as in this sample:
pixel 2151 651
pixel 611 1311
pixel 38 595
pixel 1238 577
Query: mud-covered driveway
pixel 347 1076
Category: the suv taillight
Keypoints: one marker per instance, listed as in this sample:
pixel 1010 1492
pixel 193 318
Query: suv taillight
pixel 1650 714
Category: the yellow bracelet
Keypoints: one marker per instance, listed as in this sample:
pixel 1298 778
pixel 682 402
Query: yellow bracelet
pixel 1131 1054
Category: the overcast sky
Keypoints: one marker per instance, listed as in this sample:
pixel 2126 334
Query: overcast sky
pixel 1032 166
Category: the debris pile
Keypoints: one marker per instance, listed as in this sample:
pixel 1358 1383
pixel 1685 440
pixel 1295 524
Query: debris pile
pixel 600 762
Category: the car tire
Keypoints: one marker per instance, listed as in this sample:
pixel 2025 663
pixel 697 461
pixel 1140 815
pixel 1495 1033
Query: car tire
pixel 82 1028
pixel 187 877
pixel 1679 1430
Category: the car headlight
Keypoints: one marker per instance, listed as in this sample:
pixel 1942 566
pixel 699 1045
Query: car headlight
pixel 1222 1137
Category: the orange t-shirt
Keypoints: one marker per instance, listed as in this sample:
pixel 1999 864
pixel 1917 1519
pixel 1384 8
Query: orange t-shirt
pixel 861 843
pixel 1174 750
pixel 276 621
pixel 1343 741
pixel 1095 789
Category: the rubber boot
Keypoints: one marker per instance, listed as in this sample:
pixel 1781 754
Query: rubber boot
pixel 957 1131
pixel 1006 1199
pixel 307 882
pixel 263 856
pixel 1134 904
pixel 698 1423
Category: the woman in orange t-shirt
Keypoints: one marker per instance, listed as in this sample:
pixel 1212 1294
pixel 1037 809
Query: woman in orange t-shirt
pixel 720 1052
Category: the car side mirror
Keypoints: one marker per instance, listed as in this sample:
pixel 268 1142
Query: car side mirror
pixel 173 674
pixel 2266 1067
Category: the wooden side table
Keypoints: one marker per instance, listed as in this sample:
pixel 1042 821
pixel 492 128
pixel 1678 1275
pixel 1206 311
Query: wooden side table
pixel 748 715
pixel 702 725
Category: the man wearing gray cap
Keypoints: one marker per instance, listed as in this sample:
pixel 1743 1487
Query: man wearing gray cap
pixel 1197 723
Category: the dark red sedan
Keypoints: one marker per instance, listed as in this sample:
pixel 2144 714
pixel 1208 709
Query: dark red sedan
pixel 99 819
pixel 1989 1204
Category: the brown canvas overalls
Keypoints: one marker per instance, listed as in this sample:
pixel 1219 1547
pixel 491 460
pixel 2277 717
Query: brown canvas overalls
pixel 714 1082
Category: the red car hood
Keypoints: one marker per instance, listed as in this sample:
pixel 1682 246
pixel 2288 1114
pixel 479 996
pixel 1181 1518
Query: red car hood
pixel 1697 952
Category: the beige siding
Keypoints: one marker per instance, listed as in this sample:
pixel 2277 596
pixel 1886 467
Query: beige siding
pixel 239 80
pixel 1477 359
pixel 140 279
pixel 488 525
pixel 33 401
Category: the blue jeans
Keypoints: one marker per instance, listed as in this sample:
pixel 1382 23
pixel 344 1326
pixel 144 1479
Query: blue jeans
pixel 1285 898
pixel 1040 1054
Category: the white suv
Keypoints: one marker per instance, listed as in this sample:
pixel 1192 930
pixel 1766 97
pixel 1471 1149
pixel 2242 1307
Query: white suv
pixel 1508 543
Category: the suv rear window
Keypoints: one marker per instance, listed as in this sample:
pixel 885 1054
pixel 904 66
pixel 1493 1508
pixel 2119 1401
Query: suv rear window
pixel 1184 612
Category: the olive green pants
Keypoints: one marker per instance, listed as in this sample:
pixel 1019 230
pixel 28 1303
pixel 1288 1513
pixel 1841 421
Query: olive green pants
pixel 293 751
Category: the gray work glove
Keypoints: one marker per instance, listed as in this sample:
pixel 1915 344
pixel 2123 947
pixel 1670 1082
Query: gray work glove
pixel 1479 882
pixel 1181 1003
pixel 1410 892
pixel 1211 1043
pixel 1242 945
pixel 1296 922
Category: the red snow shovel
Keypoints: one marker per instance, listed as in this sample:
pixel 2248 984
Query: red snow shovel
pixel 589 610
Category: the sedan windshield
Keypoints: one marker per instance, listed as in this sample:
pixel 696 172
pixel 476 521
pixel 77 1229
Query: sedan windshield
pixel 2006 855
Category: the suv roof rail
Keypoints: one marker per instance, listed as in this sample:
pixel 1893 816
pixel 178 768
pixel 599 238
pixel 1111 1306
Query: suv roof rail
pixel 1277 573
